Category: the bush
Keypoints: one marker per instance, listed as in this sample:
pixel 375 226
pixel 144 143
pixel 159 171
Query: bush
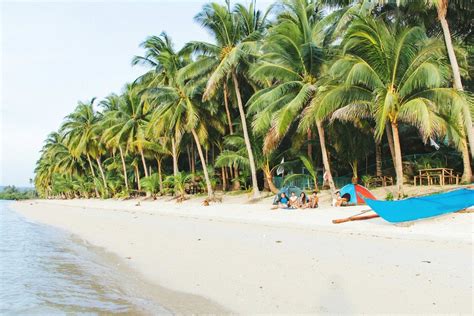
pixel 389 196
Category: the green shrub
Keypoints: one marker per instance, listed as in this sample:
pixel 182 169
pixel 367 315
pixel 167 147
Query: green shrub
pixel 389 196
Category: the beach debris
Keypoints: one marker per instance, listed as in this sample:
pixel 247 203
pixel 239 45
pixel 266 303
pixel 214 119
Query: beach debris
pixel 278 241
pixel 128 257
pixel 199 239
pixel 205 202
pixel 138 203
pixel 426 261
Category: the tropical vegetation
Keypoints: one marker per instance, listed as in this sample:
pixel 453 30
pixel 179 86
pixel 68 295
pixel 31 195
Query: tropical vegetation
pixel 311 90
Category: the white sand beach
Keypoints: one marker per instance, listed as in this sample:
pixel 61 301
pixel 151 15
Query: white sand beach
pixel 240 257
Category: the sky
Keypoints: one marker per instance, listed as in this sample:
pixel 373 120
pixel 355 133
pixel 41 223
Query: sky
pixel 56 53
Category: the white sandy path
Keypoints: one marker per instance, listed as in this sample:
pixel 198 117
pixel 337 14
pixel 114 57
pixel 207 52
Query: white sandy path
pixel 253 260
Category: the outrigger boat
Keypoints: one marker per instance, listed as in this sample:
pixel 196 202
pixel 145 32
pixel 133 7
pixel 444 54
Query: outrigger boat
pixel 422 207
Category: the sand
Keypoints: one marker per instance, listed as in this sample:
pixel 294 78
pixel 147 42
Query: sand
pixel 238 257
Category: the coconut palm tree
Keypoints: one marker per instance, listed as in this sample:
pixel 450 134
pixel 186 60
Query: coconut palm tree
pixel 293 62
pixel 164 62
pixel 112 124
pixel 126 125
pixel 176 99
pixel 394 75
pixel 234 33
pixel 81 137
pixel 442 10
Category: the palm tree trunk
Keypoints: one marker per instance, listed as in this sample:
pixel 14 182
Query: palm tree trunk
pixel 227 111
pixel 124 167
pixel 269 178
pixel 388 130
pixel 137 176
pixel 160 177
pixel 224 179
pixel 324 154
pixel 355 171
pixel 253 169
pixel 467 172
pixel 378 159
pixel 456 74
pixel 103 175
pixel 188 152
pixel 175 158
pixel 310 147
pixel 210 193
pixel 144 163
pixel 93 175
pixel 398 159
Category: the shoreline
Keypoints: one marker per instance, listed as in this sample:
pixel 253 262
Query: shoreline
pixel 246 258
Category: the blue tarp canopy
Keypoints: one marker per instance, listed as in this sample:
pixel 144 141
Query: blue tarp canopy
pixel 422 207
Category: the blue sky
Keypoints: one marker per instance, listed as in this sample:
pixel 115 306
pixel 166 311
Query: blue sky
pixel 54 54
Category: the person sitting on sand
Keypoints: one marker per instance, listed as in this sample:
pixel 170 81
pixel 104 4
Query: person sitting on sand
pixel 283 201
pixel 338 200
pixel 303 201
pixel 293 201
pixel 313 200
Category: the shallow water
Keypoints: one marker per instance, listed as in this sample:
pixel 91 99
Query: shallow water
pixel 44 270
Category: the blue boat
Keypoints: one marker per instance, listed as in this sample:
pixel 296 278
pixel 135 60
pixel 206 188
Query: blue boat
pixel 422 207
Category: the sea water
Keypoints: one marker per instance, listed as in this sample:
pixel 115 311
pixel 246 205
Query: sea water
pixel 44 270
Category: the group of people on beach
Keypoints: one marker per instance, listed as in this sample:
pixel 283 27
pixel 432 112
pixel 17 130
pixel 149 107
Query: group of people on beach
pixel 301 201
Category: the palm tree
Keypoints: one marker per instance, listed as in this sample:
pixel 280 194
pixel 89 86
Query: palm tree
pixel 164 62
pixel 175 99
pixel 126 125
pixel 112 125
pixel 442 10
pixel 235 154
pixel 394 75
pixel 234 34
pixel 293 62
pixel 80 135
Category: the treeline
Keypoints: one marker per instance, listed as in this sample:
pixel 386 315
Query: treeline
pixel 322 86
pixel 10 192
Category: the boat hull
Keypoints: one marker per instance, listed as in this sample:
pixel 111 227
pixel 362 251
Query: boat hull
pixel 422 207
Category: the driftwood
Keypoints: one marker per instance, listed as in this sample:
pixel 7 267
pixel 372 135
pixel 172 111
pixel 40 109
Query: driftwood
pixel 356 217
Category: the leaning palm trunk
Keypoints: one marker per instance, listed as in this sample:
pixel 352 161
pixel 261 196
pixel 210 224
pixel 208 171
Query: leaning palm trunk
pixel 227 111
pixel 324 154
pixel 269 179
pixel 93 175
pixel 253 169
pixel 467 172
pixel 210 193
pixel 456 74
pixel 102 174
pixel 124 167
pixel 144 163
pixel 388 130
pixel 398 159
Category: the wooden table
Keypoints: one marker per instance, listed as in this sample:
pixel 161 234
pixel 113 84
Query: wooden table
pixel 441 175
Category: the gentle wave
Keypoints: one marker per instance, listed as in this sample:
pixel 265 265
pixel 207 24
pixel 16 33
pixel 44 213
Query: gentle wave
pixel 44 270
